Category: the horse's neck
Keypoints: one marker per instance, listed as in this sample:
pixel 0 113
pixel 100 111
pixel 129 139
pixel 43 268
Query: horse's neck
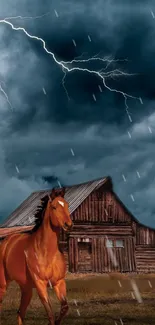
pixel 46 237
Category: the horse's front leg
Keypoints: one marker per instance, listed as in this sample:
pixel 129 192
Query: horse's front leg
pixel 41 287
pixel 60 290
pixel 26 295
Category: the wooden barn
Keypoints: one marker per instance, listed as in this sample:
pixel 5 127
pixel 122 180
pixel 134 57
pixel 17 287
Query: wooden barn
pixel 106 237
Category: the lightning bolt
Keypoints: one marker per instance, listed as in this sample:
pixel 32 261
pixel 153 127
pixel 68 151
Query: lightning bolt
pixel 94 58
pixel 68 68
pixel 30 17
pixel 5 95
pixel 63 83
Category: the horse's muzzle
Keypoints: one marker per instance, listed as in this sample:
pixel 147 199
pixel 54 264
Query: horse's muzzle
pixel 67 227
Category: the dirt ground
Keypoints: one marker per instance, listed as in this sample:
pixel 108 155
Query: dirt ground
pixel 93 299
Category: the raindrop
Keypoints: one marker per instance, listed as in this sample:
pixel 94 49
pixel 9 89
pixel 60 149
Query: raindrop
pixel 74 42
pixel 124 178
pixel 78 312
pixel 44 91
pixel 152 13
pixel 150 130
pixel 150 284
pixel 136 291
pixel 119 282
pixel 132 198
pixel 50 284
pixel 100 89
pixel 59 183
pixel 141 100
pixel 94 97
pixel 72 152
pixel 17 169
pixel 56 13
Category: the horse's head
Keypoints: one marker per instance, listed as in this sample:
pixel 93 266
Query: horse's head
pixel 60 215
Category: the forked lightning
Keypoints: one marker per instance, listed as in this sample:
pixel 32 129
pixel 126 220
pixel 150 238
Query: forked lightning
pixel 67 66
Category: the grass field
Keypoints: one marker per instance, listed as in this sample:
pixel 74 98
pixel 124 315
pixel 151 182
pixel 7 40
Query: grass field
pixel 93 300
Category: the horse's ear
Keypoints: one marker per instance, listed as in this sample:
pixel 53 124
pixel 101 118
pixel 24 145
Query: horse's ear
pixel 53 194
pixel 57 192
pixel 62 192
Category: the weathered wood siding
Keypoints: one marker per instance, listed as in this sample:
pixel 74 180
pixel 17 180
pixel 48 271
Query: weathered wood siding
pixel 145 259
pixel 145 236
pixel 101 215
pixel 89 230
pixel 73 255
pixel 96 257
pixel 145 249
pixel 101 207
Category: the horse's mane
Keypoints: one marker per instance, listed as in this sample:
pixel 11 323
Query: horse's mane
pixel 39 214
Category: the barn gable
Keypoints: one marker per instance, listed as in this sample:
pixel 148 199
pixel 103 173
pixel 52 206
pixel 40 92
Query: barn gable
pixel 102 206
pixel 75 195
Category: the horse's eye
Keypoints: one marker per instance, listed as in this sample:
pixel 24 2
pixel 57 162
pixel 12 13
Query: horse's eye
pixel 54 208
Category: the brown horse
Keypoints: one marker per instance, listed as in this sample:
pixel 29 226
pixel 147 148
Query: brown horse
pixel 33 259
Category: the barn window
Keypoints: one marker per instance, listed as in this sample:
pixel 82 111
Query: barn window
pixel 119 243
pixel 85 240
pixel 109 243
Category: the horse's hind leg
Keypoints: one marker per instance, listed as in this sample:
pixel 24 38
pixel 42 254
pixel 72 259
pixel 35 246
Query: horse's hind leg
pixel 2 293
pixel 26 295
pixel 3 285
pixel 60 290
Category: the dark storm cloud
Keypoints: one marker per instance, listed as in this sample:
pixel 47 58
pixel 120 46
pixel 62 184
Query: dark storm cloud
pixel 37 137
pixel 125 35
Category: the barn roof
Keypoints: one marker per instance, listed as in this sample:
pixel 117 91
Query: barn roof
pixel 75 195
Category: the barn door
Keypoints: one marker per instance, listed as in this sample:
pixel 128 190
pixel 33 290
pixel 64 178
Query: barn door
pixel 84 257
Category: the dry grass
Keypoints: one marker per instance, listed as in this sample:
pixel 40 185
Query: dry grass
pixel 100 300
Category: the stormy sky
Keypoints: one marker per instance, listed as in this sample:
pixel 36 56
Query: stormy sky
pixel 45 111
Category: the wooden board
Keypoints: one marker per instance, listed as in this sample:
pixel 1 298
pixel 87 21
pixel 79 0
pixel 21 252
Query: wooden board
pixel 84 257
